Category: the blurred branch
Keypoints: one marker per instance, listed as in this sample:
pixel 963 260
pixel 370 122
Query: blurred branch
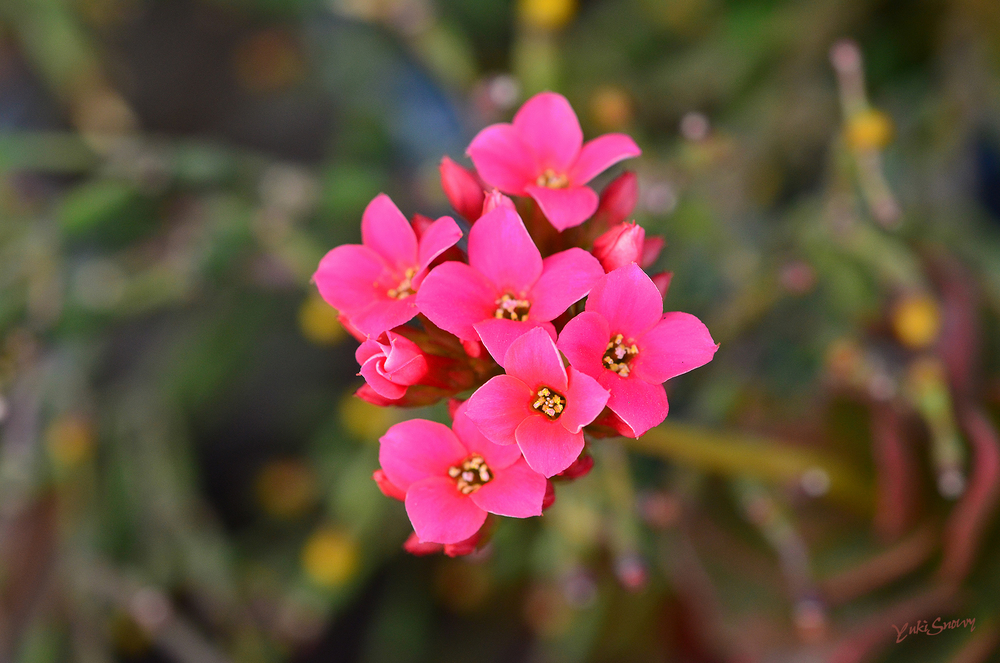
pixel 734 454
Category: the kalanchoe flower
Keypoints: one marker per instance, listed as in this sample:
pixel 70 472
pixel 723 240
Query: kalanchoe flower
pixel 538 405
pixel 452 477
pixel 625 341
pixel 463 189
pixel 542 155
pixel 662 282
pixel 506 288
pixel 373 283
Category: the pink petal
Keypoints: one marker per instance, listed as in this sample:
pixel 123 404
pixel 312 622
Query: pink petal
pixel 585 399
pixel 381 384
pixel 461 186
pixel 441 514
pixel 548 125
pixel 384 314
pixel 564 208
pixel 498 333
pixel 369 395
pixel 368 349
pixel 386 231
pixel 677 344
pixel 502 159
pixel 547 446
pixel 600 154
pixel 584 340
pixel 516 491
pixel 455 296
pixel 415 546
pixel 416 449
pixel 628 300
pixel 566 278
pixel 501 249
pixel 438 238
pixel 497 456
pixel 347 278
pixel 499 406
pixel 639 404
pixel 534 360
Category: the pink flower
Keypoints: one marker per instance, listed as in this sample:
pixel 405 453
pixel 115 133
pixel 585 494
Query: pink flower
pixel 506 288
pixel 542 155
pixel 625 243
pixel 372 284
pixel 391 363
pixel 463 189
pixel 625 341
pixel 452 477
pixel 538 404
pixel 495 199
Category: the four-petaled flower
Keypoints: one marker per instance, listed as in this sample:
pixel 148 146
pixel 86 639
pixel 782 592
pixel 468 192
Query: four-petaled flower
pixel 373 283
pixel 506 288
pixel 542 155
pixel 625 341
pixel 538 405
pixel 451 478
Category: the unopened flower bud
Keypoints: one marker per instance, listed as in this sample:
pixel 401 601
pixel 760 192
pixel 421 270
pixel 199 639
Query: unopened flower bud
pixel 391 363
pixel 651 248
pixel 463 189
pixel 619 246
pixel 662 282
pixel 387 487
pixel 495 199
pixel 618 199
pixel 580 468
pixel 550 496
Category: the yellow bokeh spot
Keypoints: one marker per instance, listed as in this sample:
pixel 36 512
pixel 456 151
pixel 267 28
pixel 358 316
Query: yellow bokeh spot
pixel 611 107
pixel 916 320
pixel 330 557
pixel 869 130
pixel 69 440
pixel 364 420
pixel 286 488
pixel 318 322
pixel 547 14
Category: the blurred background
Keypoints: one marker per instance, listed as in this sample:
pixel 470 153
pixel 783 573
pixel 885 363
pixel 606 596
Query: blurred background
pixel 185 474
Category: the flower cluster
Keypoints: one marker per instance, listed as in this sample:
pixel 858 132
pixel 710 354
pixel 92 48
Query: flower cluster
pixel 502 318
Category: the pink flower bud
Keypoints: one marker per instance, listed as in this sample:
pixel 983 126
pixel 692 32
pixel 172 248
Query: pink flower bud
pixel 550 496
pixel 619 246
pixel 619 199
pixel 387 487
pixel 463 188
pixel 391 363
pixel 651 249
pixel 495 199
pixel 415 546
pixel 662 282
pixel 580 468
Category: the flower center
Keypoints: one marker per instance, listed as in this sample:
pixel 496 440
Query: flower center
pixel 618 356
pixel 405 287
pixel 552 180
pixel 510 308
pixel 549 402
pixel 471 475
